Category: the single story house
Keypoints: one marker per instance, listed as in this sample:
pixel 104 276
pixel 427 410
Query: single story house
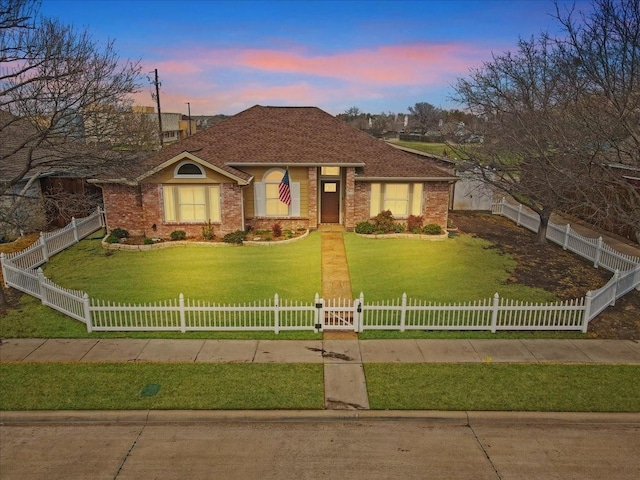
pixel 231 175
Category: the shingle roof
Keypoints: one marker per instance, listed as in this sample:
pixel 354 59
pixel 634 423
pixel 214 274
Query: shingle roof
pixel 289 136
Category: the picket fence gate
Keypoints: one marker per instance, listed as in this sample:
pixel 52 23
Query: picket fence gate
pixel 20 270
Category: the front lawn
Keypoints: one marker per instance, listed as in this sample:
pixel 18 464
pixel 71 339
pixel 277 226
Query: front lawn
pixel 219 274
pixel 460 269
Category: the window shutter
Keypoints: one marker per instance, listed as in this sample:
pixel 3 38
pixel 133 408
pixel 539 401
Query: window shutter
pixel 259 199
pixel 295 199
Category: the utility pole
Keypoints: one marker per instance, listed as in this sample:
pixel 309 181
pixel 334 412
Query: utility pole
pixel 157 99
pixel 189 115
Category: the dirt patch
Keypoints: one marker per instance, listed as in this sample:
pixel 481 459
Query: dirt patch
pixel 553 269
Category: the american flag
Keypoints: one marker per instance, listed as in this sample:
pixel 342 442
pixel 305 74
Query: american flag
pixel 284 189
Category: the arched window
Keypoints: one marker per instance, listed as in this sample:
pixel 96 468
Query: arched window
pixel 273 206
pixel 188 170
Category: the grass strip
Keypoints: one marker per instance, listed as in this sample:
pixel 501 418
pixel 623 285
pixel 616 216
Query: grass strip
pixel 504 387
pixel 65 386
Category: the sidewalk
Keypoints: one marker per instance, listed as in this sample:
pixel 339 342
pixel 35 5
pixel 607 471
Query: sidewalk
pixel 343 360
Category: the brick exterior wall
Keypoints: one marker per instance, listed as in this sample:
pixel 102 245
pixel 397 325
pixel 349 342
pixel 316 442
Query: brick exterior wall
pixel 435 203
pixel 123 207
pixel 313 198
pixel 362 199
pixel 350 199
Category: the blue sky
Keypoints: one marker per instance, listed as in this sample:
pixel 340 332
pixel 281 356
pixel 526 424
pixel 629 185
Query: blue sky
pixel 379 56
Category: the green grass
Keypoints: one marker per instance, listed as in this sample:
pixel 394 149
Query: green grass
pixel 503 387
pixel 182 386
pixel 439 149
pixel 459 269
pixel 455 387
pixel 217 274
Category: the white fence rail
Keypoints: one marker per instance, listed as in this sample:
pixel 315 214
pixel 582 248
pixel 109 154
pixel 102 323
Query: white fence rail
pixel 281 315
pixel 626 268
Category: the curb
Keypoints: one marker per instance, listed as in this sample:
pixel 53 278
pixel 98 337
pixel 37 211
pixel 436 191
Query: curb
pixel 461 418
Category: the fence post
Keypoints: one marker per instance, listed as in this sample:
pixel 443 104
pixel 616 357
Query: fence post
pixel 183 322
pixel 45 250
pixel 75 229
pixel 616 279
pixel 317 321
pixel 360 315
pixel 41 285
pixel 276 314
pixel 403 312
pixel 4 272
pixel 596 261
pixel 494 312
pixel 519 214
pixel 567 232
pixel 587 311
pixel 87 312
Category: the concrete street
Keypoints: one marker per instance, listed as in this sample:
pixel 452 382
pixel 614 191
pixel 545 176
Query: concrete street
pixel 319 444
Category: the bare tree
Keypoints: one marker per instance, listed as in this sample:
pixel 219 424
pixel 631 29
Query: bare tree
pixel 601 55
pixel 53 76
pixel 425 116
pixel 560 113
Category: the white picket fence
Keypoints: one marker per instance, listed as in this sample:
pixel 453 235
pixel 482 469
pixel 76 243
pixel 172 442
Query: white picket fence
pixel 493 314
pixel 626 268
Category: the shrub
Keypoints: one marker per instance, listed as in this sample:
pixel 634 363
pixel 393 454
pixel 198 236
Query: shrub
pixel 236 237
pixel 207 231
pixel 148 241
pixel 366 228
pixel 398 228
pixel 276 228
pixel 432 229
pixel 119 233
pixel 178 235
pixel 414 223
pixel 112 239
pixel 383 222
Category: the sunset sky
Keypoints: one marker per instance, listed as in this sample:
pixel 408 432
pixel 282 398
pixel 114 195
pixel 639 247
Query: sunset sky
pixel 379 56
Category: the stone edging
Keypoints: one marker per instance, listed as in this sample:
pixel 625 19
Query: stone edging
pixel 415 236
pixel 183 243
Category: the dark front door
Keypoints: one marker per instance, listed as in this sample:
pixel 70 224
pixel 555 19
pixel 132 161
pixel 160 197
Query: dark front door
pixel 330 201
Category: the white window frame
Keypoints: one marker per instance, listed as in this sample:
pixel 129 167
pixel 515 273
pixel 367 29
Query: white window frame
pixel 188 175
pixel 380 200
pixel 261 200
pixel 173 206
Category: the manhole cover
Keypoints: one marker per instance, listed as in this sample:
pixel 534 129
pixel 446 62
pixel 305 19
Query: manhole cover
pixel 150 390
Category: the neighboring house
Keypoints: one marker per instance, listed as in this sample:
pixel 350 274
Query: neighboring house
pixel 230 175
pixel 40 177
pixel 175 126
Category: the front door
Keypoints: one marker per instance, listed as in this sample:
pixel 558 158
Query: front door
pixel 330 201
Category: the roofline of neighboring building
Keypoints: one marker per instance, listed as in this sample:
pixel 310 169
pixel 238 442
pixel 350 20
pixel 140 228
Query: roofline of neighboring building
pixel 121 181
pixel 421 153
pixel 407 179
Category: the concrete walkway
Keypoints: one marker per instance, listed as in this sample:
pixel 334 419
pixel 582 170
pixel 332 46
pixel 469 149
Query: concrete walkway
pixel 343 360
pixel 336 282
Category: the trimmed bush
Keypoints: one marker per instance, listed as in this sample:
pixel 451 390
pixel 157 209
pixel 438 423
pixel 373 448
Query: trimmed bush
pixel 366 228
pixel 432 229
pixel 178 235
pixel 112 239
pixel 236 237
pixel 119 233
pixel 148 241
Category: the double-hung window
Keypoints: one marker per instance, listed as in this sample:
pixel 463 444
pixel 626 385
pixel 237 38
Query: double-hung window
pixel 191 203
pixel 402 199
